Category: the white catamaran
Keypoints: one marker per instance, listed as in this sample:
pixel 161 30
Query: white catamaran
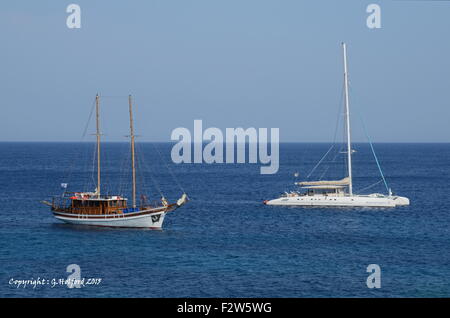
pixel 338 193
pixel 95 208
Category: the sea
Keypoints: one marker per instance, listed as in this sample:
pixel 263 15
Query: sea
pixel 224 242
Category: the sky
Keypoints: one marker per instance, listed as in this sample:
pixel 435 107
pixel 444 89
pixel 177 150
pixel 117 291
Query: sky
pixel 230 63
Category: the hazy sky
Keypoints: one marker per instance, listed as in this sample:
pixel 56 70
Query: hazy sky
pixel 247 63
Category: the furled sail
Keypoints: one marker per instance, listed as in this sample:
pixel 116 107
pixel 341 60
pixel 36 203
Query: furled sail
pixel 342 182
pixel 182 200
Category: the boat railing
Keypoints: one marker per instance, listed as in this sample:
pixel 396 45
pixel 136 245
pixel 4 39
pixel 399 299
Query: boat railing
pixel 61 203
pixel 131 210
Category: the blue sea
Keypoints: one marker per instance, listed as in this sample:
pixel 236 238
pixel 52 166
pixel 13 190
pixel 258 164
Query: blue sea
pixel 225 242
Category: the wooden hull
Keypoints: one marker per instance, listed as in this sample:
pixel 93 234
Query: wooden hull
pixel 150 219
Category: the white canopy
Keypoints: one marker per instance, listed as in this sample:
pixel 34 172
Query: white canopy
pixel 342 182
pixel 325 187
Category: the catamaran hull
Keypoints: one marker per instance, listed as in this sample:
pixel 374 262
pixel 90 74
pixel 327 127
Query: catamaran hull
pixel 328 201
pixel 152 220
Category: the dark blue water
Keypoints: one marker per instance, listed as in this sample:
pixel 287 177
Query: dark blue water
pixel 225 243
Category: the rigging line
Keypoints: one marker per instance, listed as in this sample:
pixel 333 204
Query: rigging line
pixel 340 112
pixel 89 119
pixel 335 132
pixel 140 177
pixel 338 119
pixel 122 171
pixel 168 168
pixel 373 152
pixel 68 172
pixel 371 186
pixel 320 161
pixel 106 163
pixel 86 168
pixel 93 166
pixel 152 178
pixel 140 180
pixel 329 165
pixel 142 164
pixel 155 183
pixel 127 172
pixel 374 155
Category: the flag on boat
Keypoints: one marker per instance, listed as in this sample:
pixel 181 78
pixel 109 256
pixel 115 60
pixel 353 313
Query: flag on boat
pixel 64 185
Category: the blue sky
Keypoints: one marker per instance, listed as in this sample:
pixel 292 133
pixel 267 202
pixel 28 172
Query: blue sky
pixel 251 63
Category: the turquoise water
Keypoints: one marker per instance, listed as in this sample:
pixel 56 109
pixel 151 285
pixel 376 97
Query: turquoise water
pixel 224 242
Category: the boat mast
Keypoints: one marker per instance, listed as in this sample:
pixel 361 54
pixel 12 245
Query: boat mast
pixel 132 150
pixel 347 120
pixel 97 108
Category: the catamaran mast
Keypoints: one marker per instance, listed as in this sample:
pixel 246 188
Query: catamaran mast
pixel 132 150
pixel 97 108
pixel 347 119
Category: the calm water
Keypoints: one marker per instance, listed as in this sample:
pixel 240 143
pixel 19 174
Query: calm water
pixel 225 242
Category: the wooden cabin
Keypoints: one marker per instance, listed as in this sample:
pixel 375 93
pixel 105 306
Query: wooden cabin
pixel 98 206
pixel 93 205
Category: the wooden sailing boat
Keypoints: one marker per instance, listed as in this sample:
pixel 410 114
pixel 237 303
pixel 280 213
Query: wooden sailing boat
pixel 97 209
pixel 332 193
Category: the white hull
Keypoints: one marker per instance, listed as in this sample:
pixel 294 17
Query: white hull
pixel 341 201
pixel 133 220
pixel 339 193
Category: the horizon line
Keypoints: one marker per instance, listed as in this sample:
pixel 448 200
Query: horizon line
pixel 206 142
